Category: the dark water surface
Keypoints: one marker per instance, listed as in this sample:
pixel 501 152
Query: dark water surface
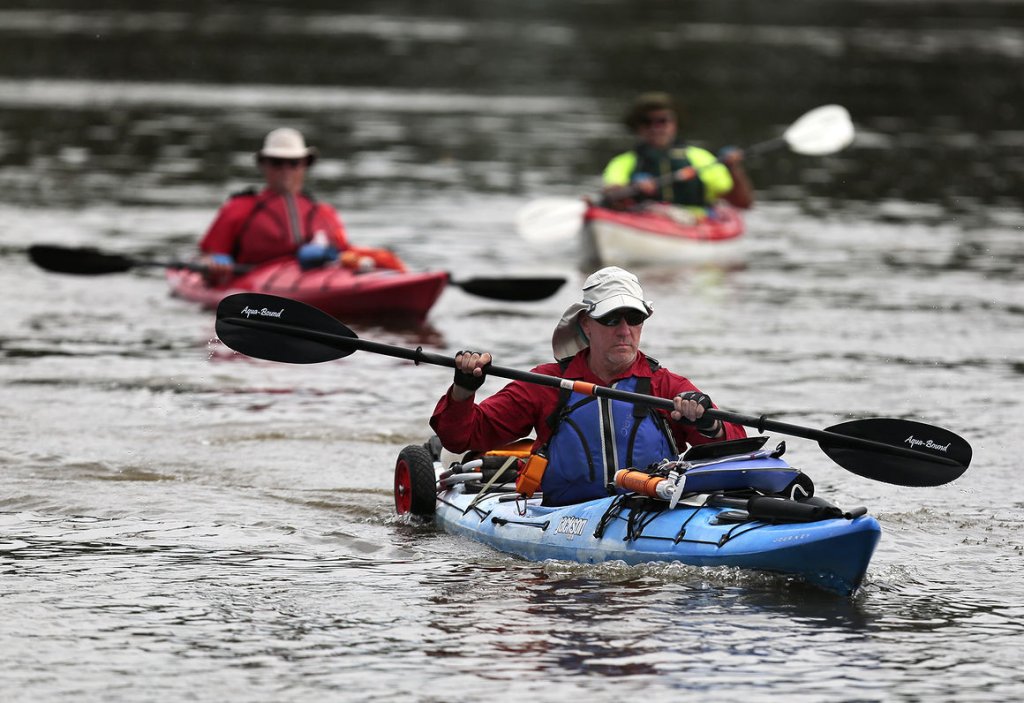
pixel 180 523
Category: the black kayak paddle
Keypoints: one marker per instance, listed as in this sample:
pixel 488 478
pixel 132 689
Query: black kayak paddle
pixel 900 452
pixel 87 261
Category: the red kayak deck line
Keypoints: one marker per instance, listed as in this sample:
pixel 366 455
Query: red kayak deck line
pixel 726 223
pixel 338 291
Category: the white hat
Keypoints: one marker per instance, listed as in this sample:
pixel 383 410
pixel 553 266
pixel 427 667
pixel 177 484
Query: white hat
pixel 285 143
pixel 606 290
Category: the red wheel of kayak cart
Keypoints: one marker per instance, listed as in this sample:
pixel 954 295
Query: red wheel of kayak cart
pixel 415 483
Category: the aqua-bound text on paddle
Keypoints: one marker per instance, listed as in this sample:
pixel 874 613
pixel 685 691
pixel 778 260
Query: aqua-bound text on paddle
pixel 262 312
pixel 914 443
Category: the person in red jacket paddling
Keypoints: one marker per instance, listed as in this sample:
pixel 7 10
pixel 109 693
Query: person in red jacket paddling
pixel 282 220
pixel 585 439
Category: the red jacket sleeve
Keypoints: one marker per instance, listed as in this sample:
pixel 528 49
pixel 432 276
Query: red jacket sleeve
pixel 223 233
pixel 510 414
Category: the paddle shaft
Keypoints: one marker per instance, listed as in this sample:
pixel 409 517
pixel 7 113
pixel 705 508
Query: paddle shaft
pixel 198 267
pixel 88 261
pixel 831 120
pixel 418 356
pixel 691 172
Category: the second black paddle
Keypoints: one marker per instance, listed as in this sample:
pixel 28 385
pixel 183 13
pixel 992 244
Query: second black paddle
pixel 87 261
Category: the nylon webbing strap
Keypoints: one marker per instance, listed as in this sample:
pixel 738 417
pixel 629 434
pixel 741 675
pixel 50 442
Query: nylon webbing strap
pixel 497 474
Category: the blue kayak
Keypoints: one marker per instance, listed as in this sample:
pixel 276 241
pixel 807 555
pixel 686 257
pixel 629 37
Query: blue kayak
pixel 749 510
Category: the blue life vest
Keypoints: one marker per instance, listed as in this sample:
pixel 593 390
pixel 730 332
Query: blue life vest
pixel 595 437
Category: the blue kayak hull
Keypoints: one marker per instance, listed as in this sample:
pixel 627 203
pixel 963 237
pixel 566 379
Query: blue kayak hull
pixel 832 554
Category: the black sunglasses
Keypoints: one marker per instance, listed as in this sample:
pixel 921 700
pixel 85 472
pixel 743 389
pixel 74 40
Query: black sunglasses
pixel 275 162
pixel 633 318
pixel 654 121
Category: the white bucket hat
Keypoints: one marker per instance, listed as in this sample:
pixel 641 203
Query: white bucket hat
pixel 285 143
pixel 606 290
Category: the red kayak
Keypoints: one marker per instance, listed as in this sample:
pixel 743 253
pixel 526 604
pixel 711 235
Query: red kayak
pixel 338 291
pixel 670 236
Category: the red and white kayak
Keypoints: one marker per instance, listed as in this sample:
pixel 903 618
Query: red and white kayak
pixel 338 291
pixel 663 236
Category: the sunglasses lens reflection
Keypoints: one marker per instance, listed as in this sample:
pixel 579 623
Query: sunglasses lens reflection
pixel 632 317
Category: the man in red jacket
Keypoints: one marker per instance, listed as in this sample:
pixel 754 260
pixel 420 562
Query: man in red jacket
pixel 586 439
pixel 282 220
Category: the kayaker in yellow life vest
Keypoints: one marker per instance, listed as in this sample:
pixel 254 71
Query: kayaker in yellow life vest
pixel 645 173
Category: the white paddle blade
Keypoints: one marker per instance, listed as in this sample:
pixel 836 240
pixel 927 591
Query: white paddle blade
pixel 550 220
pixel 823 130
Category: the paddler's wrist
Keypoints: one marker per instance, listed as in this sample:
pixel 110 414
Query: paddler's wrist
pixel 714 431
pixel 459 394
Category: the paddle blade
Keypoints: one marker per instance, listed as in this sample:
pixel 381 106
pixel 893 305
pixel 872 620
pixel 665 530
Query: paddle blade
pixel 824 130
pixel 83 261
pixel 280 329
pixel 512 289
pixel 550 220
pixel 926 440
